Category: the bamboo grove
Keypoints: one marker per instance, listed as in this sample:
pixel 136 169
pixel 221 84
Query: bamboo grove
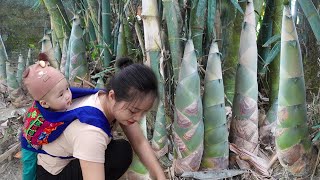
pixel 210 58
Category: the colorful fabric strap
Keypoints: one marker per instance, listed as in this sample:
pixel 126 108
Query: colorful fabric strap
pixel 43 126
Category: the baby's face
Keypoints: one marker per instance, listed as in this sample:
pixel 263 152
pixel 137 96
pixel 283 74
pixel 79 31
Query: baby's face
pixel 59 97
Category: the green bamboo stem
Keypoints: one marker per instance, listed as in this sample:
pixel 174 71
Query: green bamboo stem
pixel 106 32
pixel 89 24
pixel 21 67
pixel 232 20
pixel 265 34
pixel 3 60
pixel 29 60
pixel 115 35
pixel 197 22
pixel 210 30
pixel 128 36
pixel 93 8
pixel 274 66
pixel 173 21
pixel 153 45
pixel 293 146
pixel 216 144
pixel 138 31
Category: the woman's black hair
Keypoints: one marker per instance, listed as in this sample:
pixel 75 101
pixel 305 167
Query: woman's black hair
pixel 132 80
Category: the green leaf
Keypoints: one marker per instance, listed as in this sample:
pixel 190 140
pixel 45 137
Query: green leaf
pixel 272 40
pixel 316 137
pixel 273 53
pixel 316 126
pixel 236 5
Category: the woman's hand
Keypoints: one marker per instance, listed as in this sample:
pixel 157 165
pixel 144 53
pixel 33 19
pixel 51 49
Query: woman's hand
pixel 144 151
pixel 92 170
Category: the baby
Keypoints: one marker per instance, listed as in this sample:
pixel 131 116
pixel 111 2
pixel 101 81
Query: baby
pixel 49 87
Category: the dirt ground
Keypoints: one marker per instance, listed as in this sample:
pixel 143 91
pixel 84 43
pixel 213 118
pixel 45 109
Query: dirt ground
pixel 10 170
pixel 10 167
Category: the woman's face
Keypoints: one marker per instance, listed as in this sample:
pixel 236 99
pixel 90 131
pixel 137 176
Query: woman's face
pixel 128 113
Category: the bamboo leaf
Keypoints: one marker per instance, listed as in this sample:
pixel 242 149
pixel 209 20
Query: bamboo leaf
pixel 273 53
pixel 315 127
pixel 173 20
pixel 316 137
pixel 236 5
pixel 272 40
pixel 312 15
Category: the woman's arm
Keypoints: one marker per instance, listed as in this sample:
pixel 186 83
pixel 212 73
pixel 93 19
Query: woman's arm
pixel 143 149
pixel 92 170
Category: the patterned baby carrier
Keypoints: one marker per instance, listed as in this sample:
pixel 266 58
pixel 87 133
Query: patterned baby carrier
pixel 43 126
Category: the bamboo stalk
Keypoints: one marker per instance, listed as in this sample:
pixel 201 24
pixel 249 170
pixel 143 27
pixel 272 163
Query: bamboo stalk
pixel 21 67
pixel 106 32
pixel 3 60
pixel 173 21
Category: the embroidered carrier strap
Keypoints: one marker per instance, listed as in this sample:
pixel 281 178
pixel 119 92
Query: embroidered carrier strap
pixel 43 126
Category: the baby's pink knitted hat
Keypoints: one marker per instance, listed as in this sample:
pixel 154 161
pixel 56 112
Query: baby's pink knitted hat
pixel 40 78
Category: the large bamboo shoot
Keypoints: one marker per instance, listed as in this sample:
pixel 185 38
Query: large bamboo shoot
pixel 188 127
pixel 294 148
pixel 244 124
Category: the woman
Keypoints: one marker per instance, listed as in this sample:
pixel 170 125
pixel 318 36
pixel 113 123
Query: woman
pixel 130 94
